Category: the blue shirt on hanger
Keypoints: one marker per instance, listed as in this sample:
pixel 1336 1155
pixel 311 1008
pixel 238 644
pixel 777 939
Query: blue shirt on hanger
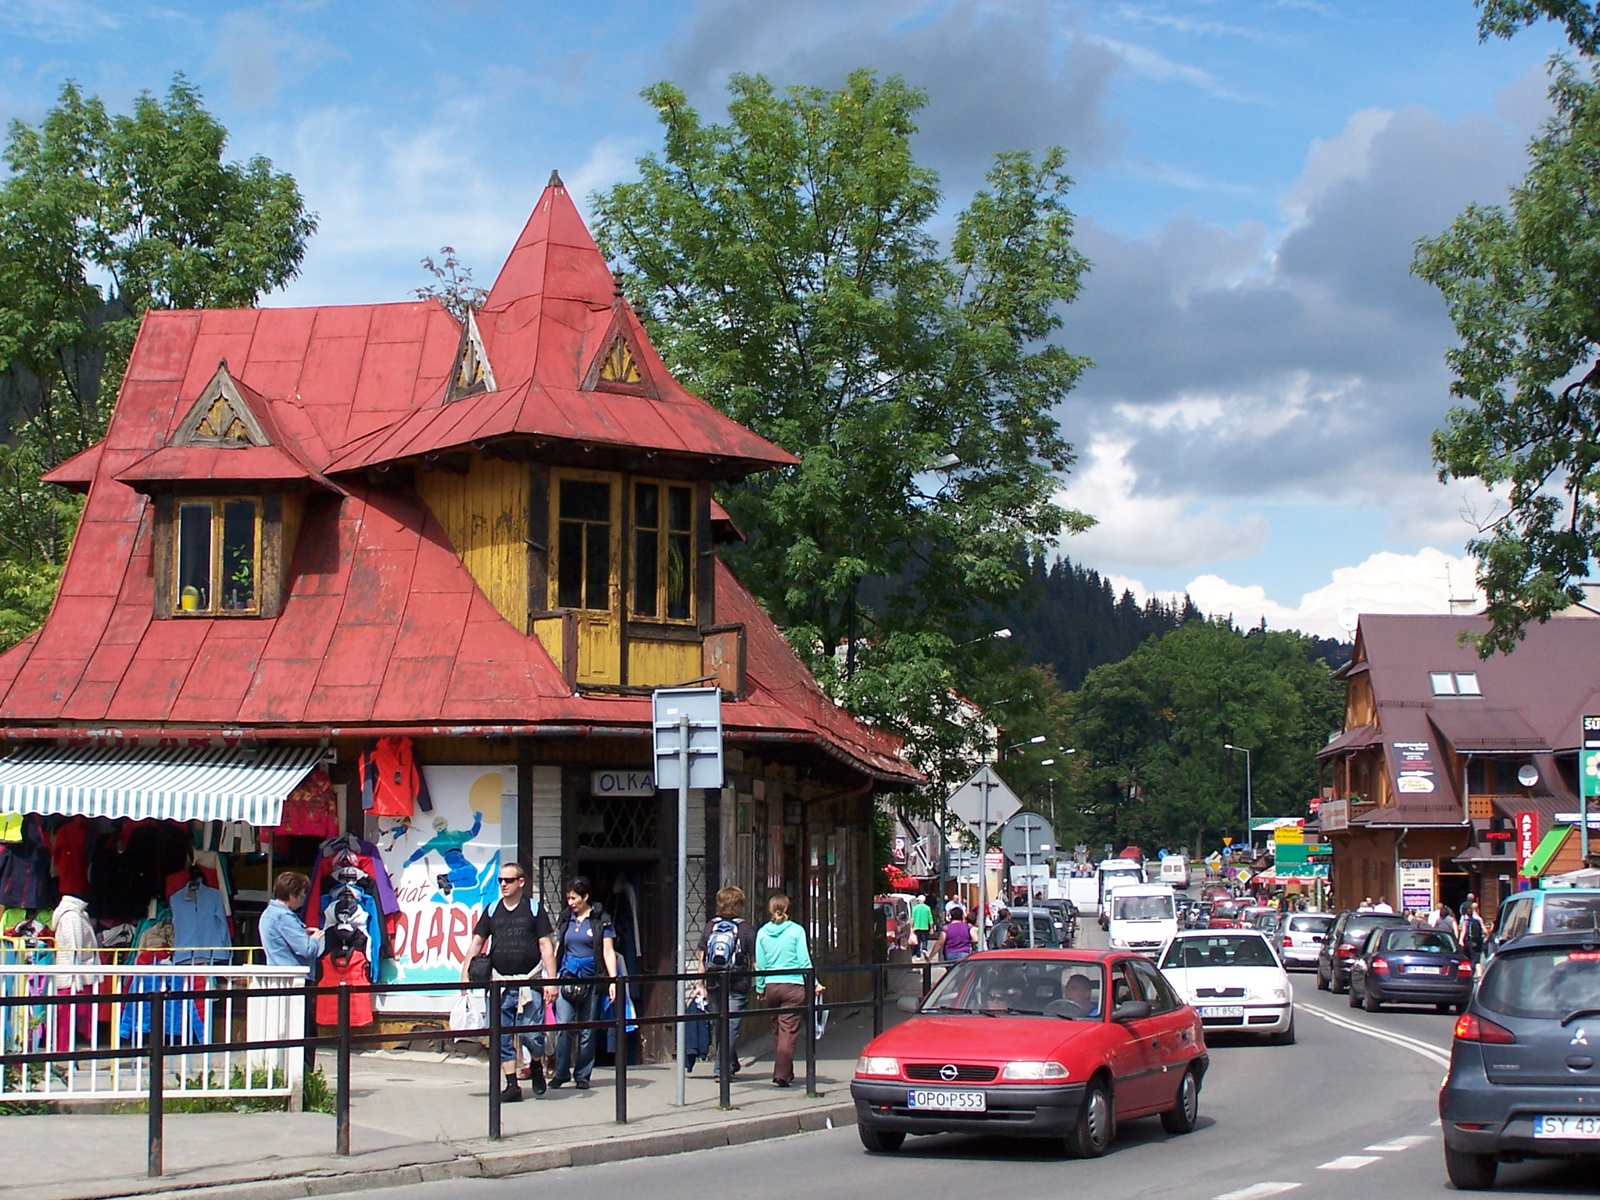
pixel 199 925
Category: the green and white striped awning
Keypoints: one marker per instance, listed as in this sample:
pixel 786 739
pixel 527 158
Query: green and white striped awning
pixel 144 784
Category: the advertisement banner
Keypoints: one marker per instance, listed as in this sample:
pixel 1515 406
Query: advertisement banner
pixel 1413 766
pixel 445 867
pixel 1416 883
pixel 1527 824
pixel 1334 815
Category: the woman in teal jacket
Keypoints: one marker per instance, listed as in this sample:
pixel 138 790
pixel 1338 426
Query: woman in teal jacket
pixel 781 949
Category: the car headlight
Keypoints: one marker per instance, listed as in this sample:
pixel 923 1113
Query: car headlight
pixel 1276 994
pixel 873 1064
pixel 1033 1070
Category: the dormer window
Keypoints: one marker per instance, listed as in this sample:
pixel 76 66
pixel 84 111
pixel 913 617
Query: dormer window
pixel 1467 684
pixel 1444 683
pixel 218 552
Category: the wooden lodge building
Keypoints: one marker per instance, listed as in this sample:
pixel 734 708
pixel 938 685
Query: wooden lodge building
pixel 1442 753
pixel 310 528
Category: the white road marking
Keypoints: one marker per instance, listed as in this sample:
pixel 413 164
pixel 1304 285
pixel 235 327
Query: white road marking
pixel 1348 1162
pixel 1436 1123
pixel 1400 1143
pixel 1258 1190
pixel 1432 1053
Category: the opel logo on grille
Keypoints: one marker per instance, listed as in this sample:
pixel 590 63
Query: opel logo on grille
pixel 948 1072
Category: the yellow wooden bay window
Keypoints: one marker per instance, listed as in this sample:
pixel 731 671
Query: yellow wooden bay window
pixel 663 551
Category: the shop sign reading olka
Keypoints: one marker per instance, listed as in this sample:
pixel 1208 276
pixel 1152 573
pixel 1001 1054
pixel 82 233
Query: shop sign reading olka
pixel 445 867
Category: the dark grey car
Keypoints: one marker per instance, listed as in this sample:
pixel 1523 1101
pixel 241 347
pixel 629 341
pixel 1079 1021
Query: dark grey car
pixel 1344 942
pixel 1523 1081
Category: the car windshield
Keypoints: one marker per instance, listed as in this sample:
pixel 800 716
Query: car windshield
pixel 1020 987
pixel 1141 908
pixel 1219 950
pixel 1571 914
pixel 1545 983
pixel 1431 941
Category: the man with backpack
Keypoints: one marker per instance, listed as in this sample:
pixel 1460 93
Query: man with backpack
pixel 520 940
pixel 727 950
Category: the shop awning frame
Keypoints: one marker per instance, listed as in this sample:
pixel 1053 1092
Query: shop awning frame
pixel 193 784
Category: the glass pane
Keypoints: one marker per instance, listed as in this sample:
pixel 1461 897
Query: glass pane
pixel 680 508
pixel 679 573
pixel 646 505
pixel 569 566
pixel 585 501
pixel 645 573
pixel 194 557
pixel 597 567
pixel 238 554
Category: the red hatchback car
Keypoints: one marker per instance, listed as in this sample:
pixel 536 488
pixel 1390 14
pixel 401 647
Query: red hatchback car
pixel 1057 1044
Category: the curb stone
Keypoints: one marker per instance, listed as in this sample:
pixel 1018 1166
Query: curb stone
pixel 499 1164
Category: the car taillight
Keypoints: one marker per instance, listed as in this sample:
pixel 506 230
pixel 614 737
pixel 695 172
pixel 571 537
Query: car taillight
pixel 1464 967
pixel 1584 956
pixel 1288 943
pixel 1381 965
pixel 1470 1027
pixel 1347 951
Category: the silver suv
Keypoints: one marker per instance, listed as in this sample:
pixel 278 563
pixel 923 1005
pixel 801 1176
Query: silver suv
pixel 1301 937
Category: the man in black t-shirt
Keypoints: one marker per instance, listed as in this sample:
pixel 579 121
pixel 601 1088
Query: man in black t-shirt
pixel 520 939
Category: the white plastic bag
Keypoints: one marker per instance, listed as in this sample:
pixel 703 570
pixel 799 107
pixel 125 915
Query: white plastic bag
pixel 468 1012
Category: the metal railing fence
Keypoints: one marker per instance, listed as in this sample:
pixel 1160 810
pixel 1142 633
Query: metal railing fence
pixel 204 1055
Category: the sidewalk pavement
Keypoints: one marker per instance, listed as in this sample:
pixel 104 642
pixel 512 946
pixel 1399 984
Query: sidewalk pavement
pixel 417 1117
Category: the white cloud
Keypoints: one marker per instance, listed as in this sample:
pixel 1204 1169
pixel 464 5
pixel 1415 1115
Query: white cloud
pixel 1425 582
pixel 1134 527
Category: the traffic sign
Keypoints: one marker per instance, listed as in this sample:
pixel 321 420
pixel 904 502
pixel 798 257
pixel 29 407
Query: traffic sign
pixel 702 709
pixel 1026 838
pixel 984 801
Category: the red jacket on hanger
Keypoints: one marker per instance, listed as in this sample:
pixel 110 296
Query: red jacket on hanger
pixel 391 784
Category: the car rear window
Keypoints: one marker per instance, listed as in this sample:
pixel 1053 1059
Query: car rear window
pixel 1571 914
pixel 1431 941
pixel 1358 927
pixel 1545 983
pixel 1309 924
pixel 1227 911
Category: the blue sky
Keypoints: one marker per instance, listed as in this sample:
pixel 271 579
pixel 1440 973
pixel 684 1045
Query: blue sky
pixel 1251 178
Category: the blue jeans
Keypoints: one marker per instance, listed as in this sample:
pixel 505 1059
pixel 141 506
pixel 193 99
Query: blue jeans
pixel 511 1014
pixel 583 1066
pixel 737 1003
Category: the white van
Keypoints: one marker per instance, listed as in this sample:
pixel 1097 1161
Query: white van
pixel 1175 871
pixel 1143 917
pixel 1114 872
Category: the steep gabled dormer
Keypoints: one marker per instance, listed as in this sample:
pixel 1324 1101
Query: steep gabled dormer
pixel 472 375
pixel 228 490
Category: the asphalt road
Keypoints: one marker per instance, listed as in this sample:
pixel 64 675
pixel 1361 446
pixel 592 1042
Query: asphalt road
pixel 1348 1110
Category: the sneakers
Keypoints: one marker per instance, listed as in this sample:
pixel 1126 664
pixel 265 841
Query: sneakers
pixel 511 1093
pixel 536 1079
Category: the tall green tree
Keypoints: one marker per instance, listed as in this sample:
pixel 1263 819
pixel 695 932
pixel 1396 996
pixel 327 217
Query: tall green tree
pixel 103 216
pixel 787 265
pixel 1150 733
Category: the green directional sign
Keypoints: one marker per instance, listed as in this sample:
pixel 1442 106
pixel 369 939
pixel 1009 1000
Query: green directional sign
pixel 1589 777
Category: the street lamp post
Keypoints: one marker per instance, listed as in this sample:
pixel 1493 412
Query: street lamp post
pixel 1249 818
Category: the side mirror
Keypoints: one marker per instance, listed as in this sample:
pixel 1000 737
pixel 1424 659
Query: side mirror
pixel 908 1004
pixel 1133 1010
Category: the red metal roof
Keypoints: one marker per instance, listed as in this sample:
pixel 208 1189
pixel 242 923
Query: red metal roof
pixel 552 313
pixel 382 625
pixel 77 473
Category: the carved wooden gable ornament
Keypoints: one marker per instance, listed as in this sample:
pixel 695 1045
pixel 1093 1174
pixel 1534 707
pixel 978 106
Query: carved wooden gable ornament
pixel 220 417
pixel 473 374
